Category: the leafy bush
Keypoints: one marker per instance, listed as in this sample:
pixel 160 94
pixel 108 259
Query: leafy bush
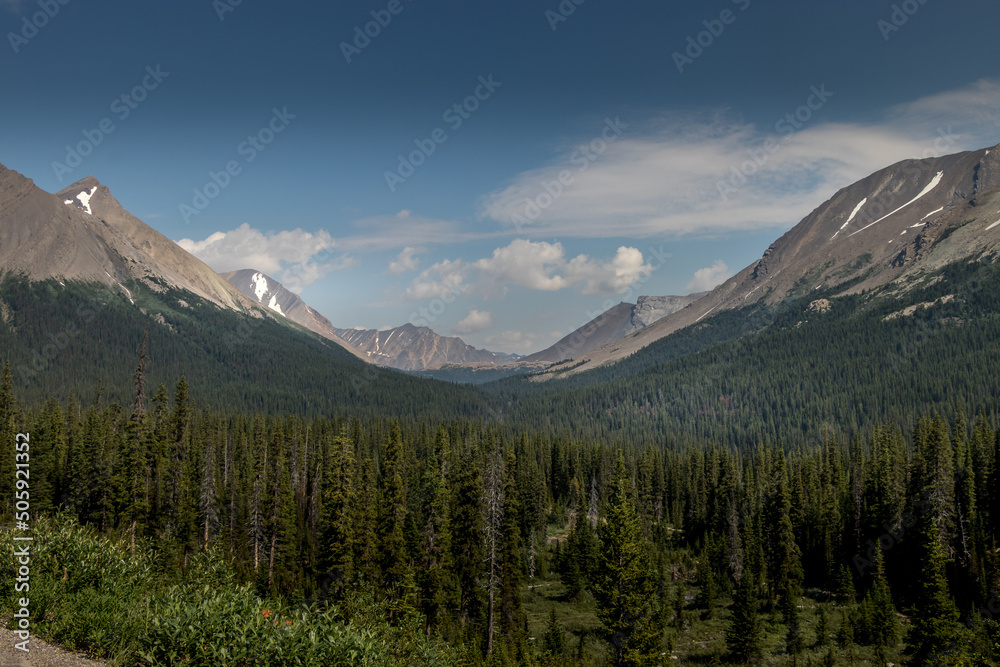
pixel 92 592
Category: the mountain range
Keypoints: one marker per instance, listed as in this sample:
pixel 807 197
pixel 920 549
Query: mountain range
pixel 879 236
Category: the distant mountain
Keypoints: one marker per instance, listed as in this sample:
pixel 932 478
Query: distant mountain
pixel 268 292
pixel 913 217
pixel 612 325
pixel 413 348
pixel 407 348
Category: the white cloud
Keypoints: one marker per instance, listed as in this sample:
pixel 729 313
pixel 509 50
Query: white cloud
pixel 532 265
pixel 709 277
pixel 294 257
pixel 475 321
pixel 405 260
pixel 511 341
pixel 525 264
pixel 664 177
pixel 614 277
pixel 442 280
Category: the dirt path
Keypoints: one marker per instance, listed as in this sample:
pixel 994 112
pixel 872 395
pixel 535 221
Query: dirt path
pixel 40 654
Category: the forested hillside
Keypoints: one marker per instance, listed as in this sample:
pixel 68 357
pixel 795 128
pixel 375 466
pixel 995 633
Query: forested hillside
pixel 784 373
pixel 75 337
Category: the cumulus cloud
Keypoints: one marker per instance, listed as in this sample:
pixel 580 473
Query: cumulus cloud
pixel 442 280
pixel 405 260
pixel 475 321
pixel 294 257
pixel 709 277
pixel 534 265
pixel 683 174
pixel 511 341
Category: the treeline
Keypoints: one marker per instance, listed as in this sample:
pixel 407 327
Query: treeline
pixel 453 519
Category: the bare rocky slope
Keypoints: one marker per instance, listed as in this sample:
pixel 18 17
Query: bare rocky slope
pixel 612 325
pixel 911 217
pixel 136 249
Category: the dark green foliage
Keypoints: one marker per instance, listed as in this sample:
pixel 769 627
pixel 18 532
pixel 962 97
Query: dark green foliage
pixel 554 640
pixel 623 584
pixel 744 637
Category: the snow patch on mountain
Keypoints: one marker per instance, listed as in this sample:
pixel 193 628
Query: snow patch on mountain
pixel 930 186
pixel 84 198
pixel 992 226
pixel 273 305
pixel 851 217
pixel 937 210
pixel 260 287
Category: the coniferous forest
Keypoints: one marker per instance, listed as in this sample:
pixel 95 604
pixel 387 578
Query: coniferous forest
pixel 319 540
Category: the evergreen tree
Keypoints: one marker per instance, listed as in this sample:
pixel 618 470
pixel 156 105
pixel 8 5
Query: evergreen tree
pixel 879 613
pixel 337 530
pixel 935 632
pixel 554 641
pixel 393 520
pixel 8 429
pixel 435 578
pixel 623 584
pixel 468 527
pixel 745 635
pixel 366 524
pixel 512 618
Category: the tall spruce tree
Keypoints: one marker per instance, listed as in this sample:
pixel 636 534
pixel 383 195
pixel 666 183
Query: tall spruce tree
pixel 936 633
pixel 623 583
pixel 337 530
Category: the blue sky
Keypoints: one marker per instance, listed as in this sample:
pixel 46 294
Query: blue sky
pixel 598 151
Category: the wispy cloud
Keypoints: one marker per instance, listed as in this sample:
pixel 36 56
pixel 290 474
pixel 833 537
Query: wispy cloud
pixel 405 261
pixel 664 178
